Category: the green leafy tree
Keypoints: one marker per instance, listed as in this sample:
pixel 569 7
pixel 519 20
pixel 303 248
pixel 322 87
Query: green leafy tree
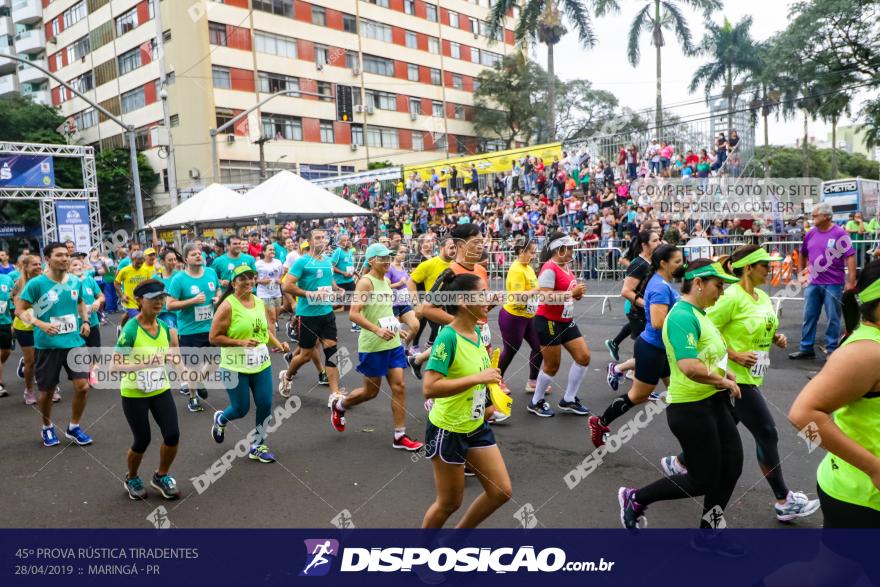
pixel 585 110
pixel 655 17
pixel 788 162
pixel 542 21
pixel 379 164
pixel 115 185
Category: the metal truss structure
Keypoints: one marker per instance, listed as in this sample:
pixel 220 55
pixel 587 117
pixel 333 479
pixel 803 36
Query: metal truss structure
pixel 48 196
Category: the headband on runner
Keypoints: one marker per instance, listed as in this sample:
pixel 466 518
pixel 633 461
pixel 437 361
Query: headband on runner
pixel 870 293
pixel 565 241
pixel 758 256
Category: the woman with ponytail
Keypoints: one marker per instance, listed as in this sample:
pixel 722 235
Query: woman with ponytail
pixel 840 410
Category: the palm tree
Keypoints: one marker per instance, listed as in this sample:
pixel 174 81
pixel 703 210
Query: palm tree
pixel 767 88
pixel 833 106
pixel 657 16
pixel 541 21
pixel 733 57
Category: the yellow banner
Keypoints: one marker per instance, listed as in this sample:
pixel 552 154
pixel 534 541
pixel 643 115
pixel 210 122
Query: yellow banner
pixel 493 162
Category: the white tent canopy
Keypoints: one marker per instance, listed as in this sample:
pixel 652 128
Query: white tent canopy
pixel 286 194
pixel 211 205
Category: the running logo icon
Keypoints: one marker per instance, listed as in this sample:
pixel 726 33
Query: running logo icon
pixel 319 556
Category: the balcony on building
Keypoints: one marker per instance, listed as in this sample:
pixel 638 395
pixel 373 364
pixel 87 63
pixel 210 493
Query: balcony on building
pixel 7 27
pixel 38 96
pixel 9 85
pixel 32 41
pixel 7 48
pixel 27 11
pixel 31 75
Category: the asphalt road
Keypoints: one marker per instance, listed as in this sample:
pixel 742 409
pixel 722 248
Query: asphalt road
pixel 322 475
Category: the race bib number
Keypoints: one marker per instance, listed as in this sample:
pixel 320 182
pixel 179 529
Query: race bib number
pixel 274 289
pixel 390 323
pixel 256 356
pixel 349 268
pixel 478 407
pixel 485 335
pixel 204 313
pixel 66 324
pixel 4 305
pixel 532 306
pixel 759 369
pixel 567 310
pixel 150 380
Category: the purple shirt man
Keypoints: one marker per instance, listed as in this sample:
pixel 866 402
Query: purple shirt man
pixel 827 251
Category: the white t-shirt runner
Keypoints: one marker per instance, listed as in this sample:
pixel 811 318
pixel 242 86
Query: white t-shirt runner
pixel 269 270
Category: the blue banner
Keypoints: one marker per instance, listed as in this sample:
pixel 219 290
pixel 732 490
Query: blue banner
pixel 26 171
pixel 19 231
pixel 72 220
pixel 785 556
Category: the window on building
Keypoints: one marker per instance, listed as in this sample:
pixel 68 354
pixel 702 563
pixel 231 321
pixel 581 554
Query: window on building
pixel 221 77
pixel 282 127
pixel 382 3
pixel 217 34
pixel 412 40
pixel 475 55
pixel 280 7
pixel 376 30
pixel 415 106
pixel 74 14
pixel 440 142
pixel 409 6
pixel 458 112
pixel 457 81
pixel 385 138
pixel 380 65
pixel 453 19
pixel 351 59
pixel 490 59
pixel 455 50
pixel 325 89
pixel 435 76
pixel 84 83
pixel 78 49
pixel 319 16
pixel 418 141
pixel 129 61
pixel 86 119
pixel 133 100
pixel 274 44
pixel 437 109
pixel 269 83
pixel 174 119
pixel 431 12
pixel 322 54
pixel 461 145
pixel 327 132
pixel 127 22
pixel 412 72
pixel 56 27
pixel 357 134
pixel 381 100
pixel 349 23
pixel 476 83
pixel 434 45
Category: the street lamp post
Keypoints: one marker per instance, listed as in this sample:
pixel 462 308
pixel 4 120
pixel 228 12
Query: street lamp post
pixel 132 147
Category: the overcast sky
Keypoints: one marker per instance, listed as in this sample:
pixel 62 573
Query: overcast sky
pixel 607 67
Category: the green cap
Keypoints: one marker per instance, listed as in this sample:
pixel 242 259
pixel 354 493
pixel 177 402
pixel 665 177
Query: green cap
pixel 758 256
pixel 711 270
pixel 870 293
pixel 241 270
pixel 377 250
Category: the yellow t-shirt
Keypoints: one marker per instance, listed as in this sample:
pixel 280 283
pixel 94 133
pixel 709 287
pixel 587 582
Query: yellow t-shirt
pixel 428 271
pixel 521 278
pixel 130 277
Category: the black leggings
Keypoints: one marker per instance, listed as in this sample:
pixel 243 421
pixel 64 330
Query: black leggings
pixel 624 332
pixel 707 432
pixel 752 411
pixel 137 411
pixel 842 514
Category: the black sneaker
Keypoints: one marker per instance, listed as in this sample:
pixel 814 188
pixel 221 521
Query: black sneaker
pixel 468 472
pixel 414 367
pixel 20 369
pixel 288 357
pixel 613 349
pixel 802 355
pixel 574 407
pixel 291 331
pixel 193 405
pixel 202 392
pixel 218 430
pixel 323 379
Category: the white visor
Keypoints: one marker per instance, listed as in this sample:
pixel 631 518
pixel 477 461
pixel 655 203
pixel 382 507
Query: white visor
pixel 565 241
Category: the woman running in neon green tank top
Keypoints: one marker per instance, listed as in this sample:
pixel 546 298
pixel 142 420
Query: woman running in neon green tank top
pixel 849 475
pixel 241 329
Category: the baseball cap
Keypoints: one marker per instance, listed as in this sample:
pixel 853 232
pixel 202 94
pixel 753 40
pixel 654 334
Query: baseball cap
pixel 150 251
pixel 377 250
pixel 711 270
pixel 149 289
pixel 241 270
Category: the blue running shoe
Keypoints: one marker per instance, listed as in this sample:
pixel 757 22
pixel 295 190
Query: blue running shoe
pixel 261 453
pixel 632 515
pixel 540 409
pixel 218 429
pixel 574 407
pixel 135 488
pixel 288 357
pixel 613 376
pixel 613 349
pixel 77 435
pixel 166 485
pixel 193 405
pixel 654 396
pixel 49 437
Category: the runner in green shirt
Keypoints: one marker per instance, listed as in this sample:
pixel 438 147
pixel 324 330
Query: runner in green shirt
pixel 380 347
pixel 700 394
pixel 845 419
pixel 746 318
pixel 226 263
pixel 456 377
pixel 144 346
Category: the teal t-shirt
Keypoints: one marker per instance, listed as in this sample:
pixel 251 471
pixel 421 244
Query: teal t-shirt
pixel 182 287
pixel 90 291
pixel 344 261
pixel 55 303
pixel 123 264
pixel 14 275
pixel 313 275
pixel 6 309
pixel 224 265
pixel 280 252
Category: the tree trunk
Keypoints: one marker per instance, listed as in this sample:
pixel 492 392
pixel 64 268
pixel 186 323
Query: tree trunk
pixel 729 83
pixel 806 145
pixel 551 97
pixel 766 135
pixel 834 147
pixel 658 114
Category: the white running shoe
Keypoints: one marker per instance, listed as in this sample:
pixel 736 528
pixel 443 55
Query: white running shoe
pixel 283 384
pixel 797 505
pixel 671 466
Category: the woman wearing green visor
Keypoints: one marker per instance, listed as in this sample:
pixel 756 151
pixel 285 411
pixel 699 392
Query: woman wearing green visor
pixel 699 413
pixel 849 475
pixel 747 319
